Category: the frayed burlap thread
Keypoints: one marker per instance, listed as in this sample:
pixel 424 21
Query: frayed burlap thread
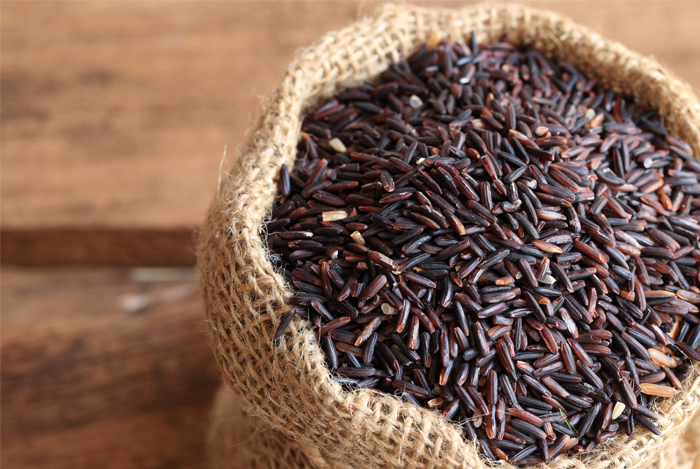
pixel 237 441
pixel 285 383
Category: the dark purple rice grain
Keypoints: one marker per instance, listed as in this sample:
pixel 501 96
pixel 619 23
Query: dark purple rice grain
pixel 646 423
pixel 510 238
pixel 284 323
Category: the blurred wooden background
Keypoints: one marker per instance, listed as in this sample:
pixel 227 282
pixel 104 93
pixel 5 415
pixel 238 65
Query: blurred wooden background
pixel 115 120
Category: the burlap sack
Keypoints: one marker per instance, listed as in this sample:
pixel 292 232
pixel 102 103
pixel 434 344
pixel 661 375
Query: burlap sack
pixel 236 441
pixel 286 383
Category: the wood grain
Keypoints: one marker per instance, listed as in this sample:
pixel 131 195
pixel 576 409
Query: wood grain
pixel 100 370
pixel 100 246
pixel 115 115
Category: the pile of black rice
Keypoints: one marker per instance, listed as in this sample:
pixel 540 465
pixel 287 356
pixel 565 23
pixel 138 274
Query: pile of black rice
pixel 497 238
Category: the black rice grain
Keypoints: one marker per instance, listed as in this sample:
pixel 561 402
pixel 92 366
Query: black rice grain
pixel 496 238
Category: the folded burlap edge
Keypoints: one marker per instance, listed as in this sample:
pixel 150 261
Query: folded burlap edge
pixel 286 383
pixel 236 440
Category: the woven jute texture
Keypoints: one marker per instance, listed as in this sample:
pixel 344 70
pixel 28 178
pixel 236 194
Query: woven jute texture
pixel 236 441
pixel 286 384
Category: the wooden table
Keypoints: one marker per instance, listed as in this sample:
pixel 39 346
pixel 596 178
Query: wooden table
pixel 117 120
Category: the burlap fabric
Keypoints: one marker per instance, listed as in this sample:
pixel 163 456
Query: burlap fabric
pixel 236 441
pixel 286 383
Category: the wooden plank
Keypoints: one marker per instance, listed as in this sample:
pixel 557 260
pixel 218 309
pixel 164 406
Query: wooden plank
pixel 100 246
pixel 115 115
pixel 101 370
